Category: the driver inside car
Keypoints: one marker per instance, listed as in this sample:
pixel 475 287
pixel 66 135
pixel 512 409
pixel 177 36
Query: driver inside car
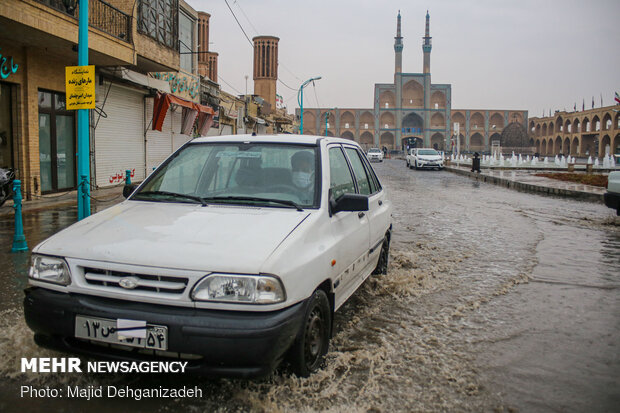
pixel 302 173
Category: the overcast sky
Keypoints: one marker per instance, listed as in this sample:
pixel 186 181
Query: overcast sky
pixel 497 54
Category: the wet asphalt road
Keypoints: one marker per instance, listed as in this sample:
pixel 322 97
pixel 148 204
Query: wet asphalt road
pixel 495 301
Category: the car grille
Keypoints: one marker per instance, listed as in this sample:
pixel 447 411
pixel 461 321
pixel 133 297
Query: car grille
pixel 135 282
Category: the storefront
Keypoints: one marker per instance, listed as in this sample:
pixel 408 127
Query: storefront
pixel 7 114
pixel 37 133
pixel 174 123
pixel 57 143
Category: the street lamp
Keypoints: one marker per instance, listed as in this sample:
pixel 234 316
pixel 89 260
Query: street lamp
pixel 300 100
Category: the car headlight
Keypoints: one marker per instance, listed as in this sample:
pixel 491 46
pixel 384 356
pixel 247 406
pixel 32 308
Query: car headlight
pixel 49 269
pixel 233 288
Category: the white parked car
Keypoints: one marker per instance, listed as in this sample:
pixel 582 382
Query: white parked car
pixel 234 254
pixel 424 158
pixel 375 154
pixel 612 196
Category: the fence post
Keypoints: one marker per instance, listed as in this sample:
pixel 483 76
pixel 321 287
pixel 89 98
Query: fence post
pixel 19 239
pixel 127 177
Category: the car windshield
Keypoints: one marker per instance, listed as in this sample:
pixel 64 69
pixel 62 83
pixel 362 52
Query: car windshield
pixel 374 150
pixel 427 152
pixel 266 174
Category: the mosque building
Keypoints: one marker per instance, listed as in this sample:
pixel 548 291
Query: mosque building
pixel 413 111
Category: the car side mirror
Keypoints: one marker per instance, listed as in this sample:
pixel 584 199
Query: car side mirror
pixel 128 189
pixel 348 202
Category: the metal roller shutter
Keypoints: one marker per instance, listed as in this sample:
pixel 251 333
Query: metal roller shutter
pixel 119 137
pixel 158 144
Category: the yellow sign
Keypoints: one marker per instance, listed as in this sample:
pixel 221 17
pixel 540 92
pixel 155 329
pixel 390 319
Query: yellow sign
pixel 80 87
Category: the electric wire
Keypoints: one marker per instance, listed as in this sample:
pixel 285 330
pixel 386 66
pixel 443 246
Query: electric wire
pixel 246 17
pixel 252 45
pixel 228 84
pixel 315 95
pixel 240 26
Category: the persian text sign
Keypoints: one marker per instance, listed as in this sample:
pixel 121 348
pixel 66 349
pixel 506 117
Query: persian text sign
pixel 7 68
pixel 80 87
pixel 183 85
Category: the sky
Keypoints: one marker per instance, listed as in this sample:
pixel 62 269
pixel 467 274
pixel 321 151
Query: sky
pixel 497 54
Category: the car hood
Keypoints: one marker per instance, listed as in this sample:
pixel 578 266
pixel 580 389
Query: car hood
pixel 429 157
pixel 226 238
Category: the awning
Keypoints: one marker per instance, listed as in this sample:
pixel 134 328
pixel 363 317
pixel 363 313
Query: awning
pixel 191 112
pixel 138 78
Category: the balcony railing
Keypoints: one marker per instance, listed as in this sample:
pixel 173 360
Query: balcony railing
pixel 101 15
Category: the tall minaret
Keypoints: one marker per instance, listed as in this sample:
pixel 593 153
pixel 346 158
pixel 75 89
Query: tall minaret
pixel 398 47
pixel 427 46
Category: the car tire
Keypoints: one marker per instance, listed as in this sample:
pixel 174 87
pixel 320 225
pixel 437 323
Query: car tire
pixel 310 347
pixel 384 256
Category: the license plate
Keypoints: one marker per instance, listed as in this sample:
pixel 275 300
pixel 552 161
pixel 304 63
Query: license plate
pixel 107 330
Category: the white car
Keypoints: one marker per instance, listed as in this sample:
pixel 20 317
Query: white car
pixel 424 158
pixel 375 154
pixel 233 255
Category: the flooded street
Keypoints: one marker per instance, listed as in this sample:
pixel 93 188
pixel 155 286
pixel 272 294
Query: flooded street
pixel 495 300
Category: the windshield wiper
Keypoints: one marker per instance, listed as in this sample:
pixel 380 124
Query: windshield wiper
pixel 255 199
pixel 174 195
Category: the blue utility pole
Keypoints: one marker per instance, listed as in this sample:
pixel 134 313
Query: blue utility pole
pixel 301 102
pixel 83 140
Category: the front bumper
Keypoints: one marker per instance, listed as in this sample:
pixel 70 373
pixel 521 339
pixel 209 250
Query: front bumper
pixel 612 200
pixel 229 343
pixel 430 164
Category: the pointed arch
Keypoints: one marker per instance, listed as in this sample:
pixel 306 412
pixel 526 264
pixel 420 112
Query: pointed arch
pixel 496 119
pixel 438 121
pixel 367 121
pixel 438 100
pixel 476 121
pixel 347 118
pixel 438 141
pixel 387 121
pixel 413 95
pixel 387 140
pixel 367 140
pixel 387 99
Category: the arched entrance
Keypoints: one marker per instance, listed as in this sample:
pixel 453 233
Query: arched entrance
pixel 367 140
pixel 413 124
pixel 387 140
pixel 437 142
pixel 348 135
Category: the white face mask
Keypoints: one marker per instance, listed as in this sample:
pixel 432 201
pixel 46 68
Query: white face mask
pixel 301 179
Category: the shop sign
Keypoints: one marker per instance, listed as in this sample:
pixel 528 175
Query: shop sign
pixel 80 87
pixel 181 84
pixel 6 68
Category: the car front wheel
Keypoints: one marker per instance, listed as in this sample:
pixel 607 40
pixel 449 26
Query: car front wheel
pixel 309 350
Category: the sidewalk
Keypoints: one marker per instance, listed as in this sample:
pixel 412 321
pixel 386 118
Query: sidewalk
pixel 526 181
pixel 100 199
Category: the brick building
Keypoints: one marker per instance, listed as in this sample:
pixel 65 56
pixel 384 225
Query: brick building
pixel 414 111
pixel 141 49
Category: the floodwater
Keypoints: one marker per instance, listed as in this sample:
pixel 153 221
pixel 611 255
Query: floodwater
pixel 495 300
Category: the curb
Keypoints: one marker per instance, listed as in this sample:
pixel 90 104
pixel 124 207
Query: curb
pixel 525 187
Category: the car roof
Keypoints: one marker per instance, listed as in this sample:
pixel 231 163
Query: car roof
pixel 283 138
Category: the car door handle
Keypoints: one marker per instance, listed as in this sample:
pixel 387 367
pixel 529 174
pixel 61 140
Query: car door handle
pixel 380 202
pixel 361 215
